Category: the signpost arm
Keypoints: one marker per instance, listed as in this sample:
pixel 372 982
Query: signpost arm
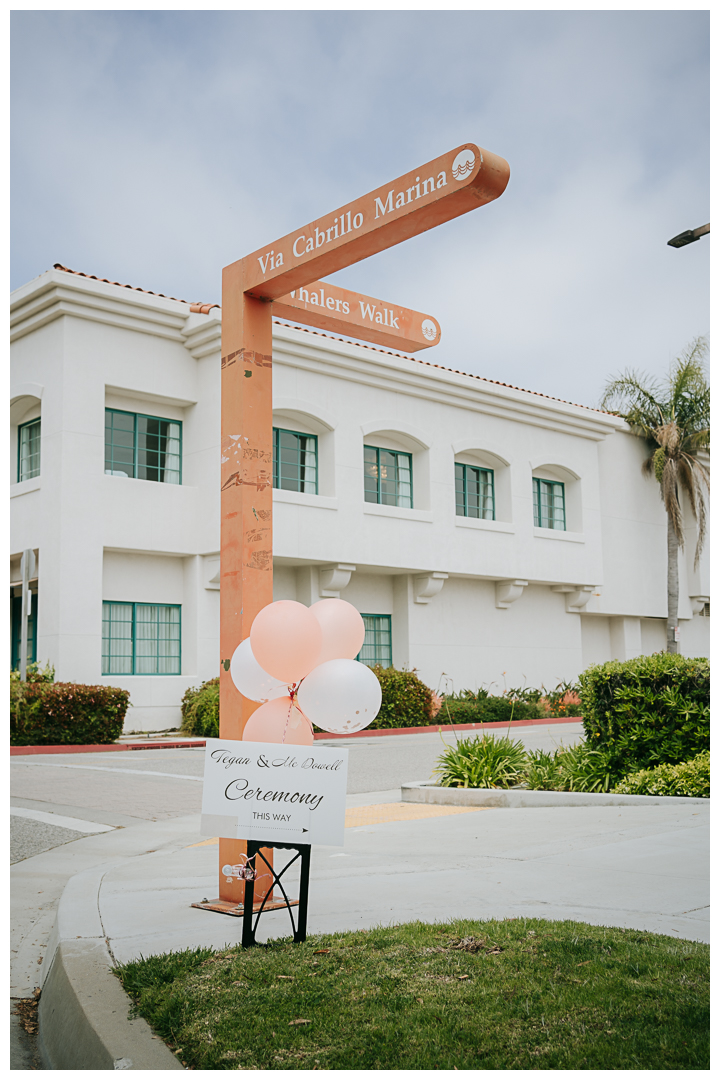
pixel 245 512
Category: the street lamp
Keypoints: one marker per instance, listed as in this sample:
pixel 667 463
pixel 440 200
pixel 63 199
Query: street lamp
pixel 689 236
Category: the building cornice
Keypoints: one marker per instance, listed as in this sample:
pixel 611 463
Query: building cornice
pixel 58 293
pixel 396 373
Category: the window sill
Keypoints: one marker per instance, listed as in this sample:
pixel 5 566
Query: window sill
pixel 404 512
pixel 138 480
pixel 484 524
pixel 302 498
pixel 24 487
pixel 149 675
pixel 559 534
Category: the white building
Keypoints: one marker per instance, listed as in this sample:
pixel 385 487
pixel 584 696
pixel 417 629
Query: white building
pixel 115 415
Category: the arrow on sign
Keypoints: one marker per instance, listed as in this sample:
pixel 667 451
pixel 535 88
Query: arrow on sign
pixel 274 828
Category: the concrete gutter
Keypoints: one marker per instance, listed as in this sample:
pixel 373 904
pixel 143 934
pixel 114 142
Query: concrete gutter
pixel 83 1012
pixel 427 791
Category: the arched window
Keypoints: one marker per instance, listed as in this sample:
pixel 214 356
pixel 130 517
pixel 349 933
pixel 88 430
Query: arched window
pixel 556 498
pixel 303 450
pixel 396 469
pixel 482 484
pixel 26 428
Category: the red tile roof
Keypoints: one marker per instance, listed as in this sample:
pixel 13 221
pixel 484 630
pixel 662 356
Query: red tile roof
pixel 195 306
pixel 199 307
pixel 439 367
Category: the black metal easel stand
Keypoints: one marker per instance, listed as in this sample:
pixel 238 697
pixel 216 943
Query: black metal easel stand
pixel 253 853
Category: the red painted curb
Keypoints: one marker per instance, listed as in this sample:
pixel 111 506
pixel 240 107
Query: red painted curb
pixel 367 733
pixel 100 747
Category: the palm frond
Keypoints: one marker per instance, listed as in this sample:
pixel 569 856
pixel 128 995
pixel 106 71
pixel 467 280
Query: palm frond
pixel 692 475
pixel 696 440
pixel 634 397
pixel 669 491
pixel 687 387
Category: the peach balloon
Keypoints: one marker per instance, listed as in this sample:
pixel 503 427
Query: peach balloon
pixel 286 640
pixel 278 721
pixel 343 630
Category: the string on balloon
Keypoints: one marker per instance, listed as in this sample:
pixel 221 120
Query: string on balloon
pixel 244 871
pixel 293 691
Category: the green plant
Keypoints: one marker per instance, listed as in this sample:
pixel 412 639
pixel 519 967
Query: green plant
pixel 689 778
pixel 584 768
pixel 674 420
pixel 200 709
pixel 649 711
pixel 482 762
pixel 406 700
pixel 564 700
pixel 513 995
pixel 34 673
pixel 569 768
pixel 488 710
pixel 52 714
pixel 542 771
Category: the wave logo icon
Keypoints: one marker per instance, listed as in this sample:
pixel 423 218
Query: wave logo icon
pixel 463 164
pixel 428 327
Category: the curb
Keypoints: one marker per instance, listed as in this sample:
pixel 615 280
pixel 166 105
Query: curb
pixel 370 732
pixel 426 791
pixel 95 748
pixel 83 1012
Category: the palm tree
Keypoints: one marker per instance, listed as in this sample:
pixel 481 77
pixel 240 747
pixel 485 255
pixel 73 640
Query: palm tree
pixel 674 417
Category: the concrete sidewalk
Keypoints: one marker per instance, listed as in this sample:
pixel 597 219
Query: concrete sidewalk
pixel 644 867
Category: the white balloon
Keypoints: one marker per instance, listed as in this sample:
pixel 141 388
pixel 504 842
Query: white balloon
pixel 250 679
pixel 341 696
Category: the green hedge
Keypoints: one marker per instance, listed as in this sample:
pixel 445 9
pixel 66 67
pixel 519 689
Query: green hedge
pixel 52 714
pixel 489 710
pixel 406 700
pixel 689 778
pixel 652 710
pixel 200 710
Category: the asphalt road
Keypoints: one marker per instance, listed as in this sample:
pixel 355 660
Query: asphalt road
pixel 65 795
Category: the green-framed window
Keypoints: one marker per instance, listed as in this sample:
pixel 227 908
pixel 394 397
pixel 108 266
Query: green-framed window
pixel 388 477
pixel 16 630
pixel 474 492
pixel 549 504
pixel 143 447
pixel 140 639
pixel 377 647
pixel 28 450
pixel 295 461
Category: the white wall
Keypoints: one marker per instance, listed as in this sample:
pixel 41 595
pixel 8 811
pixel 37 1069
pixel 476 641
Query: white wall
pixel 82 345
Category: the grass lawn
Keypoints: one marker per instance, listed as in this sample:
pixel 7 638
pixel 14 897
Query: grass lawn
pixel 511 994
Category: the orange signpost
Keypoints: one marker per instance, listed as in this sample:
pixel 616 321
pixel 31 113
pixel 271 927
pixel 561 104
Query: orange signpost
pixel 453 184
pixel 341 311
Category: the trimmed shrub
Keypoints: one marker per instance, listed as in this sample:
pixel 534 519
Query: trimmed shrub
pixel 689 778
pixel 52 714
pixel 487 710
pixel 482 762
pixel 406 700
pixel 200 709
pixel 652 710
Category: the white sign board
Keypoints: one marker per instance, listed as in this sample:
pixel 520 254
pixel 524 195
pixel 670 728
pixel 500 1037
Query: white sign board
pixel 274 791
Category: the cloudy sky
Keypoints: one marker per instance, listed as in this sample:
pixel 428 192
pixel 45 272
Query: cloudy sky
pixel 155 147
